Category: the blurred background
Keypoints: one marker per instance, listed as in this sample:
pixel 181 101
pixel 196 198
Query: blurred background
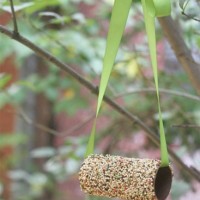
pixel 46 115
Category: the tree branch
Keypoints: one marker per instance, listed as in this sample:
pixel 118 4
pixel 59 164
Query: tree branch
pixel 181 51
pixel 46 129
pixel 47 56
pixel 14 18
pixel 186 126
pixel 161 90
pixel 190 16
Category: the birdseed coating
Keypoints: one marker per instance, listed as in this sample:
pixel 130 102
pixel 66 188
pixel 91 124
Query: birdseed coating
pixel 116 176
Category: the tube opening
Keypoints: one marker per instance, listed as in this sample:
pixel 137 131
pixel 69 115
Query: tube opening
pixel 163 182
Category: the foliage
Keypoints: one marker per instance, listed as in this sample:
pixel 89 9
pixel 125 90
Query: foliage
pixel 11 139
pixel 78 38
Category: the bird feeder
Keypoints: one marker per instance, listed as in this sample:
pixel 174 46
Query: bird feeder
pixel 125 178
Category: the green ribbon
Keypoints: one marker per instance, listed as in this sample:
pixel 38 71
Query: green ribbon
pixel 117 25
pixel 152 9
pixel 157 8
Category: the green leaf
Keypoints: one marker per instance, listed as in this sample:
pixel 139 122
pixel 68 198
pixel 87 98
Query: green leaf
pixel 4 78
pixel 4 99
pixel 27 84
pixel 12 139
pixel 17 7
pixel 6 47
pixel 39 5
pixel 182 4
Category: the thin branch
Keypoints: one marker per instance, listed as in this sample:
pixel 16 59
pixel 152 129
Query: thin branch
pixel 58 42
pixel 185 5
pixel 29 121
pixel 186 126
pixel 187 15
pixel 161 90
pixel 134 119
pixel 14 18
pixel 79 125
pixel 190 16
pixel 195 170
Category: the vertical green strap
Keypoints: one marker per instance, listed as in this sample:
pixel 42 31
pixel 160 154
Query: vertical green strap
pixel 90 145
pixel 151 10
pixel 117 25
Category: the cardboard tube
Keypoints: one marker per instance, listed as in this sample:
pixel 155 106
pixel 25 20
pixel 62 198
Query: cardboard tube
pixel 125 178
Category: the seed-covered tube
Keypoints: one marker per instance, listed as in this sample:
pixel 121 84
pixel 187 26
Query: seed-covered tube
pixel 125 178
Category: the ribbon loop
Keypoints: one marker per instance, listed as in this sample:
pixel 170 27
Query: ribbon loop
pixel 152 9
pixel 162 7
pixel 158 8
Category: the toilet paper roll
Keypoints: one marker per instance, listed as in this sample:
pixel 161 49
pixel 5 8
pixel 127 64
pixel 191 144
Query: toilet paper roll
pixel 125 178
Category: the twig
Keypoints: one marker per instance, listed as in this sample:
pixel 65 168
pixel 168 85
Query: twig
pixel 79 125
pixel 58 42
pixel 190 16
pixel 186 126
pixel 165 91
pixel 47 56
pixel 195 170
pixel 29 121
pixel 14 18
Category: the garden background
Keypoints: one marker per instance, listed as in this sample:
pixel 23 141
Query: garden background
pixel 46 113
